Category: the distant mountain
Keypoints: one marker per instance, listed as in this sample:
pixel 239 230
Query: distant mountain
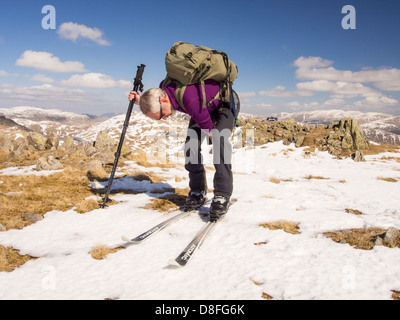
pixel 35 114
pixel 44 120
pixel 142 131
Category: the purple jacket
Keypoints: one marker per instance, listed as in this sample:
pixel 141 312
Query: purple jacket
pixel 193 102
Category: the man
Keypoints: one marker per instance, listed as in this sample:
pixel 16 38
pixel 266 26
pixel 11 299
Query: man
pixel 216 121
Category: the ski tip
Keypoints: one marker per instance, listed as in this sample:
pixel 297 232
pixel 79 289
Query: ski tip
pixel 126 239
pixel 173 263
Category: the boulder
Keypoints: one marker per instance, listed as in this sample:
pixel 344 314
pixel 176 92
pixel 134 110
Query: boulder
pixel 37 141
pixel 48 162
pixel 5 142
pixel 53 140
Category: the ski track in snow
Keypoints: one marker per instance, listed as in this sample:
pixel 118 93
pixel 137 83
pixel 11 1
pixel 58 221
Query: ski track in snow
pixel 228 265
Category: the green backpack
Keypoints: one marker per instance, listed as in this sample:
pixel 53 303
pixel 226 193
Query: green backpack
pixel 187 64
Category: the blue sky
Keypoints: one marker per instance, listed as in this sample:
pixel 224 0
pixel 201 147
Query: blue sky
pixel 292 55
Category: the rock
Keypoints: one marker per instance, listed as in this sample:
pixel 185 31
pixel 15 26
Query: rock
pixel 391 235
pixel 106 147
pixel 32 217
pixel 299 139
pixel 5 142
pixel 37 141
pixel 107 157
pixel 48 163
pixel 20 143
pixel 358 156
pixel 347 141
pixel 378 241
pixel 104 142
pixel 85 149
pixel 95 170
pixel 69 144
pixel 52 142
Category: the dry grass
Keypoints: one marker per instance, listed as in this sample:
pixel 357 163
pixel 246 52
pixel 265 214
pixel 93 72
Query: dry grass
pixel 87 205
pixel 380 148
pixel 145 176
pixel 277 180
pixel 29 158
pixel 354 211
pixel 266 296
pixel 363 238
pixel 387 179
pixel 310 177
pixel 167 203
pixel 384 158
pixel 40 194
pixel 396 295
pixel 274 180
pixel 11 259
pixel 287 226
pixel 101 251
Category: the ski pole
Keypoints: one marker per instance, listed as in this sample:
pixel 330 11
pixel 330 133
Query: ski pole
pixel 137 86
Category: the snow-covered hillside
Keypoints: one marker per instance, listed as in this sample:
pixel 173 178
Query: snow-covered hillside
pixel 240 259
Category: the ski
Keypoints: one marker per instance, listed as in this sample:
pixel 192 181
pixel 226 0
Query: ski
pixel 147 234
pixel 187 253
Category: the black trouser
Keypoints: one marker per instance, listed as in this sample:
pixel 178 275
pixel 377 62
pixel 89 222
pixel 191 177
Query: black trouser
pixel 224 121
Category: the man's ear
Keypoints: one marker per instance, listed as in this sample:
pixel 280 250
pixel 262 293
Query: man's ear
pixel 163 99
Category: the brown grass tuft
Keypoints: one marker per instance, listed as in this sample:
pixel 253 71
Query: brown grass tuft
pixel 310 176
pixel 167 203
pixel 10 259
pixel 101 251
pixel 274 180
pixel 363 238
pixel 87 205
pixel 354 211
pixel 287 226
pixel 266 296
pixel 380 148
pixel 387 179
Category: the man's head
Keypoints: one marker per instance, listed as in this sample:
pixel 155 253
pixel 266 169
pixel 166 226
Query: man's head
pixel 155 104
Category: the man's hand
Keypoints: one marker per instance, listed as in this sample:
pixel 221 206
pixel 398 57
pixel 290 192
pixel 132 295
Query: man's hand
pixel 134 95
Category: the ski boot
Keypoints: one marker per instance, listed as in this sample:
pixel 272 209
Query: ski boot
pixel 219 207
pixel 195 200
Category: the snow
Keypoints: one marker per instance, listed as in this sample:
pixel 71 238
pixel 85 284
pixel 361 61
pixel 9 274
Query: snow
pixel 229 264
pixel 30 170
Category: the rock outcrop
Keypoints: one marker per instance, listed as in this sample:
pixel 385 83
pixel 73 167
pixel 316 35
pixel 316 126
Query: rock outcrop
pixel 343 138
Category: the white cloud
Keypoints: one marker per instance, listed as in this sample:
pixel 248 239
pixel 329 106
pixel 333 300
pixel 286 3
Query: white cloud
pixel 46 61
pixel 294 104
pixel 95 80
pixel 44 92
pixel 338 88
pixel 42 78
pixel 280 91
pixel 375 103
pixel 316 68
pixel 74 31
pixel 311 62
pixel 246 94
pixel 6 74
